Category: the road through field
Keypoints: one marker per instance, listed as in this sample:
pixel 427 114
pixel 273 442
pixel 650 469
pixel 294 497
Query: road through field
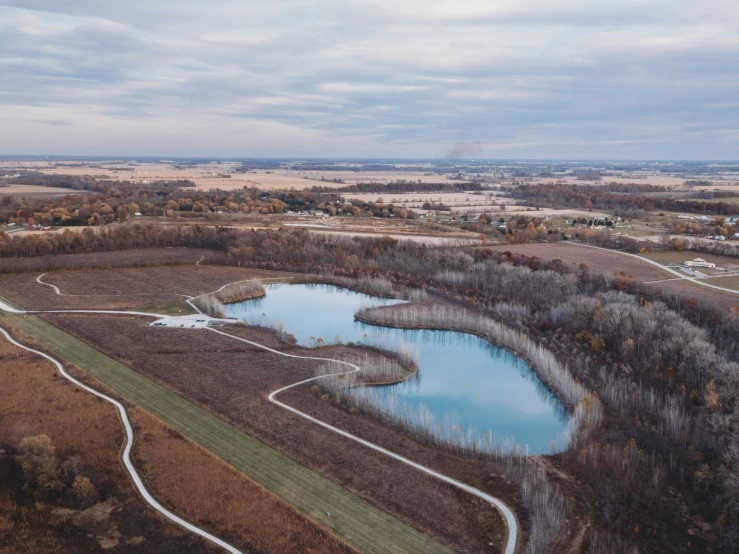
pixel 682 276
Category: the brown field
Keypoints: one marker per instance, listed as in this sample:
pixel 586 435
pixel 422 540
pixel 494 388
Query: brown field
pixel 680 257
pixel 234 387
pixel 120 258
pixel 179 473
pixel 36 190
pixel 613 263
pixel 204 175
pixel 35 401
pixel 609 263
pixel 122 288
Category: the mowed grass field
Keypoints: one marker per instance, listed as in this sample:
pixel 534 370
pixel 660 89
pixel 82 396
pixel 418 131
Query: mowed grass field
pixel 356 521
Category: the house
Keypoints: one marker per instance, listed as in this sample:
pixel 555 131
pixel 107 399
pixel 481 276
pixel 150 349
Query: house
pixel 700 262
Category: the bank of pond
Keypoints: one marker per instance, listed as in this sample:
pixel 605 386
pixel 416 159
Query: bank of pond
pixel 464 386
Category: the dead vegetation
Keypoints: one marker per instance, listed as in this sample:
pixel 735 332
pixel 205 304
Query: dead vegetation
pixel 124 258
pixel 84 436
pixel 121 289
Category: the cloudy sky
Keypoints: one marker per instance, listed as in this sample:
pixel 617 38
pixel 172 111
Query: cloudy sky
pixel 616 79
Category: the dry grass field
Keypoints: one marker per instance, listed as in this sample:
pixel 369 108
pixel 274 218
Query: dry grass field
pixel 181 474
pixel 123 288
pixel 35 400
pixel 606 262
pixel 668 258
pixel 120 258
pixel 35 191
pixel 613 263
pixel 234 387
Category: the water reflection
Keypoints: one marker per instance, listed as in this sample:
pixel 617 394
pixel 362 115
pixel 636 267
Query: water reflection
pixel 461 376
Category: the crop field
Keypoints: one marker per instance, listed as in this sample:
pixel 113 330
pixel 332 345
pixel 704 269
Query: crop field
pixel 352 518
pixel 206 176
pixel 22 191
pixel 681 257
pixel 606 262
pixel 125 288
pixel 121 258
pixel 234 387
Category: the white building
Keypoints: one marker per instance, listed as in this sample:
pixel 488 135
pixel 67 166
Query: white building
pixel 700 262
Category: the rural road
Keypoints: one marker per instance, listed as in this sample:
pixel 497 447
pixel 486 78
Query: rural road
pixel 659 265
pixel 505 511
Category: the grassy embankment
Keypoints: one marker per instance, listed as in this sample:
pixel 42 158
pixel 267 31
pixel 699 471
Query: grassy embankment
pixel 360 524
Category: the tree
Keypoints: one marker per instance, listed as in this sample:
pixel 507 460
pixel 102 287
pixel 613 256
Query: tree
pixel 84 489
pixel 39 466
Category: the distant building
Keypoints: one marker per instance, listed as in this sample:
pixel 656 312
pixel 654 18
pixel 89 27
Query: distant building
pixel 700 262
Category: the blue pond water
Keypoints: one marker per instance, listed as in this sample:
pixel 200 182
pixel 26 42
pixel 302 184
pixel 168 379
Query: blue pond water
pixel 460 376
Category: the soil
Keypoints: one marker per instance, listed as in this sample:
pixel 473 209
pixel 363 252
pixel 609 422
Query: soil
pixel 121 258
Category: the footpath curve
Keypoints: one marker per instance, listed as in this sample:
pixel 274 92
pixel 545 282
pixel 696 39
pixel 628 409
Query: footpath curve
pixel 505 511
pixel 139 484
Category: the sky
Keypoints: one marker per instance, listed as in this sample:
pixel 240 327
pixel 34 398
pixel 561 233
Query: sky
pixel 605 79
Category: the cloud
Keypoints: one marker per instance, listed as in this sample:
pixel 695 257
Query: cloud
pixel 378 78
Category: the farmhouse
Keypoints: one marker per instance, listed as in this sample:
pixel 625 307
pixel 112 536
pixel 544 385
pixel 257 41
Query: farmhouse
pixel 700 262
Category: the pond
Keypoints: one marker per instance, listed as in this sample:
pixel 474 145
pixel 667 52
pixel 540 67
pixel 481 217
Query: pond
pixel 463 380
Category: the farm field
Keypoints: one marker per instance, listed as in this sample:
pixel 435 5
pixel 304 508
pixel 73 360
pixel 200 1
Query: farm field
pixel 352 519
pixel 181 474
pixel 35 190
pixel 606 262
pixel 205 175
pixel 686 255
pixel 120 258
pixel 613 263
pixel 117 289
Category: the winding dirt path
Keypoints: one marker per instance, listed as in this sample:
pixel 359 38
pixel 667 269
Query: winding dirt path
pixel 127 450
